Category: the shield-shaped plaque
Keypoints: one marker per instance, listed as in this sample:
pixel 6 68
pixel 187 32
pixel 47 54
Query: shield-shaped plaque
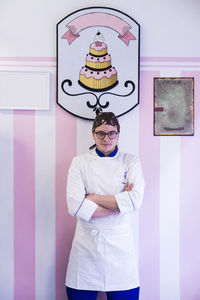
pixel 98 62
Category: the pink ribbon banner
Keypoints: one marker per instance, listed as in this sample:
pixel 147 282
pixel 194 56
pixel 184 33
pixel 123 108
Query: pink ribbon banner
pixel 98 19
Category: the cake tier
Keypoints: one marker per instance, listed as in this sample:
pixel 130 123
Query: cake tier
pixel 98 80
pixel 98 50
pixel 95 62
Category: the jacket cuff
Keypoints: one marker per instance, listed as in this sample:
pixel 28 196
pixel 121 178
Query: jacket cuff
pixel 125 202
pixel 86 210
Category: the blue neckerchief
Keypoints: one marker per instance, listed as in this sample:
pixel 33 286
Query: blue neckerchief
pixel 103 155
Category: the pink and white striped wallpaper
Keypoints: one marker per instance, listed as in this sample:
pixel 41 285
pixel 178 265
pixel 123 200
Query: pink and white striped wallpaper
pixel 36 231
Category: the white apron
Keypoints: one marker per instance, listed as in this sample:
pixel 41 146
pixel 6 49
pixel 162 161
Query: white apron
pixel 103 254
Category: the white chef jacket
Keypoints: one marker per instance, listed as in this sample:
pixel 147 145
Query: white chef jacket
pixel 103 254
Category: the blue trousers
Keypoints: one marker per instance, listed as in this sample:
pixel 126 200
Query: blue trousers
pixel 74 294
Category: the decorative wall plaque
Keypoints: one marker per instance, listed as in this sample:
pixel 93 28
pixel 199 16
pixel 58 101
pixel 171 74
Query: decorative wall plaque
pixel 174 106
pixel 97 62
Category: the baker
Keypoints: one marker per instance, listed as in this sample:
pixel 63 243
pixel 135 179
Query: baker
pixel 104 190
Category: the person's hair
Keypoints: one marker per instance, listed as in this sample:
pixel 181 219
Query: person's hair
pixel 106 118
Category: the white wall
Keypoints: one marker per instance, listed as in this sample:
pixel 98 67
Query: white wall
pixel 168 28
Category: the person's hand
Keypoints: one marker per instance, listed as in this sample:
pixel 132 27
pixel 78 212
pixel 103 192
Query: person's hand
pixel 128 187
pixel 90 197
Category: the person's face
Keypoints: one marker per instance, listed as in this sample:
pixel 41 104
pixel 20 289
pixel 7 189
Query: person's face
pixel 106 145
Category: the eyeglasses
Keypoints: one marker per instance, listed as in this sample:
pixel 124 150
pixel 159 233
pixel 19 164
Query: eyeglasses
pixel 111 134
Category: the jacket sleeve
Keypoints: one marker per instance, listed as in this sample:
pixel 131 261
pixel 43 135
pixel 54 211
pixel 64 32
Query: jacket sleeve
pixel 131 201
pixel 77 204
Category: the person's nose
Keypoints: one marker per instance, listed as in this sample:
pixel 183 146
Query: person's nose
pixel 106 137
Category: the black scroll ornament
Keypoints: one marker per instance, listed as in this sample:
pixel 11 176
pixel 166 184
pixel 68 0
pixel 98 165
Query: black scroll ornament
pixel 97 107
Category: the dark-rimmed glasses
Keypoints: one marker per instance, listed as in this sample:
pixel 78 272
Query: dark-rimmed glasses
pixel 101 134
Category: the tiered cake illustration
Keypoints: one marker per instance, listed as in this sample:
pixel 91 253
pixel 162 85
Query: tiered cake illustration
pixel 98 74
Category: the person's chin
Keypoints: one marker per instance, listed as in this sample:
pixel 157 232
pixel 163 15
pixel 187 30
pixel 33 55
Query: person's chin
pixel 106 148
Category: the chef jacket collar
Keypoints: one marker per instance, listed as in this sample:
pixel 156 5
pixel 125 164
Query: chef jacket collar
pixel 101 154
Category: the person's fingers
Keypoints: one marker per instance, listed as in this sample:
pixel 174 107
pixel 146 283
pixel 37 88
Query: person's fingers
pixel 128 187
